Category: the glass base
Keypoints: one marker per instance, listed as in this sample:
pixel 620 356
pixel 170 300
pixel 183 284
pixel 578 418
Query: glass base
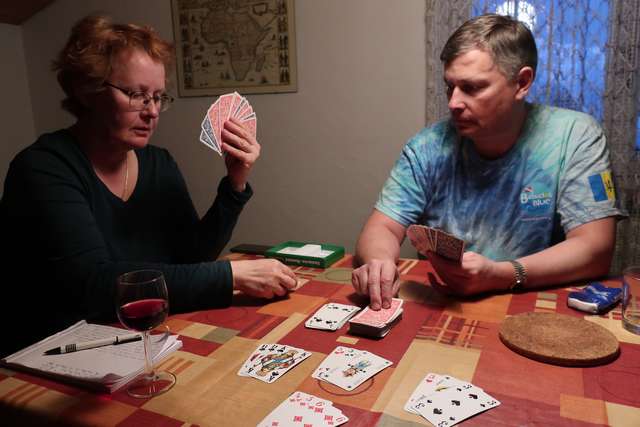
pixel 633 325
pixel 144 387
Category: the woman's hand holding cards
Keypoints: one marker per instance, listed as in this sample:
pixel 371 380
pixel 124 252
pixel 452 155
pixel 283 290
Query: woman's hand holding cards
pixel 242 151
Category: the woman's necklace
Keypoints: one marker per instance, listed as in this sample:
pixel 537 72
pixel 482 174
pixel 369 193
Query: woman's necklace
pixel 126 176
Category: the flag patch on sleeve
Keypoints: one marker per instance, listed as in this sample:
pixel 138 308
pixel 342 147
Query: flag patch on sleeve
pixel 602 187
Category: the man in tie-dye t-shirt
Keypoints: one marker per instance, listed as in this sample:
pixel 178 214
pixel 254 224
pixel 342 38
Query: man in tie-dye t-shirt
pixel 528 187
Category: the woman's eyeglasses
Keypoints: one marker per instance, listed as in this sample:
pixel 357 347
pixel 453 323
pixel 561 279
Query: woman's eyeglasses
pixel 139 101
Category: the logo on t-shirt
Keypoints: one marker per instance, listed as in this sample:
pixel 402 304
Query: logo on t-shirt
pixel 536 200
pixel 602 187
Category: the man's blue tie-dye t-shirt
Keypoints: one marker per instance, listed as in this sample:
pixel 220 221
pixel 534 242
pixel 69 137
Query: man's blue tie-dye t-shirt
pixel 557 177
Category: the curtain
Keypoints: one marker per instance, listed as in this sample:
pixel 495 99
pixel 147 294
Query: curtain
pixel 442 18
pixel 589 60
pixel 621 106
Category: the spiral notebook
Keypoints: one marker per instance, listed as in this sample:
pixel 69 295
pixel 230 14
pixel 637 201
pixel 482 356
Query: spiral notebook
pixel 105 368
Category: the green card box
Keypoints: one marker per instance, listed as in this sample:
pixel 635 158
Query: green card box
pixel 337 252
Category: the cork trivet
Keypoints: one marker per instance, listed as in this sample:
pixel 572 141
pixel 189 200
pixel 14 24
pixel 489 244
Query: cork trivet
pixel 559 339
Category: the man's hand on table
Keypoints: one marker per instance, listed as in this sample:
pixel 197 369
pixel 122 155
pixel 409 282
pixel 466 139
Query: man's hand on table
pixel 378 279
pixel 263 278
pixel 474 274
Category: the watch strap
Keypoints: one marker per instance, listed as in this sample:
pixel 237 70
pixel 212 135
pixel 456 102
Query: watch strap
pixel 520 276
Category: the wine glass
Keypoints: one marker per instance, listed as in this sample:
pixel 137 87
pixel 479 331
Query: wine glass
pixel 142 304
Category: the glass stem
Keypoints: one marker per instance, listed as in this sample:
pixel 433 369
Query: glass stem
pixel 148 363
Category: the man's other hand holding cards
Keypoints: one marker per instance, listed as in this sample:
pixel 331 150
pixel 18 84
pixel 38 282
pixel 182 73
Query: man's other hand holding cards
pixel 462 273
pixel 473 274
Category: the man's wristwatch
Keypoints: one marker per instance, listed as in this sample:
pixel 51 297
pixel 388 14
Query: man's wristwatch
pixel 520 277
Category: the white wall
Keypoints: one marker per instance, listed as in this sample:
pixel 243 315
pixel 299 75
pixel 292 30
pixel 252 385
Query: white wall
pixel 326 149
pixel 15 106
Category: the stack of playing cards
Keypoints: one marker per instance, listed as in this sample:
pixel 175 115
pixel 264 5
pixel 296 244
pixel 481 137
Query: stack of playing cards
pixel 444 400
pixel 225 107
pixel 269 361
pixel 427 239
pixel 331 317
pixel 302 409
pixel 376 324
pixel 348 367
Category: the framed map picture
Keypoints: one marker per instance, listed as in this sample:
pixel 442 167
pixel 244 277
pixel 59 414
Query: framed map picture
pixel 226 45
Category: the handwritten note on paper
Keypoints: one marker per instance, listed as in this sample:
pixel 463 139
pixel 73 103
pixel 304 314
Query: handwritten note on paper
pixel 106 364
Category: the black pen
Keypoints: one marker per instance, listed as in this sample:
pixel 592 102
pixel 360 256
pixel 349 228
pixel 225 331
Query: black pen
pixel 118 339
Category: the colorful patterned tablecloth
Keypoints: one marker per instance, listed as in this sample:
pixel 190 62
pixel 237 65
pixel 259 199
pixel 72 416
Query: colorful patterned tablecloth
pixel 437 334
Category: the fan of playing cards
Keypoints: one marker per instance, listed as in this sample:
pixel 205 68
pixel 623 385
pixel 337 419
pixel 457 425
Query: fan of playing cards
pixel 445 401
pixel 348 367
pixel 302 409
pixel 427 239
pixel 225 107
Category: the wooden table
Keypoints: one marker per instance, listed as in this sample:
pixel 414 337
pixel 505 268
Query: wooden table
pixel 436 334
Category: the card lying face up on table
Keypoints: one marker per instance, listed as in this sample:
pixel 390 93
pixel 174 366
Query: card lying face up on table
pixel 331 316
pixel 426 239
pixel 225 107
pixel 348 367
pixel 301 410
pixel 270 361
pixel 444 400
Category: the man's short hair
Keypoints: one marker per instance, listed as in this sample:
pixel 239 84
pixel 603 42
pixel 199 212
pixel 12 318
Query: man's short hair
pixel 508 41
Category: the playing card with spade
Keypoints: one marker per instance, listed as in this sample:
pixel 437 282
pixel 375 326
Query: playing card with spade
pixel 331 316
pixel 454 404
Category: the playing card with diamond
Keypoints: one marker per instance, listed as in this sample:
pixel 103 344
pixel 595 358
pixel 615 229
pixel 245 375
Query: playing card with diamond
pixel 331 316
pixel 302 409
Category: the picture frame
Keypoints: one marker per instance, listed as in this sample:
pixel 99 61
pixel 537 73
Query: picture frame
pixel 246 46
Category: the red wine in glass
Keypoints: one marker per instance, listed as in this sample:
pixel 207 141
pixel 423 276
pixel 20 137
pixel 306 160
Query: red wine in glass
pixel 145 314
pixel 143 304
